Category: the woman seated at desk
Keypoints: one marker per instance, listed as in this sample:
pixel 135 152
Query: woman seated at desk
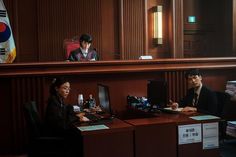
pixel 59 116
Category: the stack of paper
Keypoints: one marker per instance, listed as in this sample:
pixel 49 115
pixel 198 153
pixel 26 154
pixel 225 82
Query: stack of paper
pixel 231 128
pixel 231 89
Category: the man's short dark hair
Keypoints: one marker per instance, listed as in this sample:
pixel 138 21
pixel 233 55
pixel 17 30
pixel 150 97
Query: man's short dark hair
pixel 192 72
pixel 86 37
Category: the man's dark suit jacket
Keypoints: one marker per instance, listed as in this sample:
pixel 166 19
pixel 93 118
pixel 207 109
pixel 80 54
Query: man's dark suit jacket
pixel 207 101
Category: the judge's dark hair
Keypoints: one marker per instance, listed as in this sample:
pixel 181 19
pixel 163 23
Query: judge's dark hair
pixel 56 82
pixel 192 72
pixel 85 37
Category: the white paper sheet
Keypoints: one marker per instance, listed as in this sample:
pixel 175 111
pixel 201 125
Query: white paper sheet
pixel 210 133
pixel 189 133
pixel 92 127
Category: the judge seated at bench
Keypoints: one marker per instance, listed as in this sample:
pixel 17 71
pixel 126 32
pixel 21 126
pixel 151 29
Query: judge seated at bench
pixel 85 52
pixel 199 98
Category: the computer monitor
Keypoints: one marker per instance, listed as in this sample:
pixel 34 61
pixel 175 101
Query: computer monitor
pixel 104 98
pixel 157 93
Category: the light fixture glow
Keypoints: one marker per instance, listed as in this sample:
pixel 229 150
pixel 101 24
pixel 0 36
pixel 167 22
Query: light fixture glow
pixel 157 25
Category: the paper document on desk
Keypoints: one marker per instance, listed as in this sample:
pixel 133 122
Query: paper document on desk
pixel 204 117
pixel 177 110
pixel 210 135
pixel 92 127
pixel 231 123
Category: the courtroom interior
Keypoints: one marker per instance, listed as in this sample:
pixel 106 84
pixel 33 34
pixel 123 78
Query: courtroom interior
pixel 141 51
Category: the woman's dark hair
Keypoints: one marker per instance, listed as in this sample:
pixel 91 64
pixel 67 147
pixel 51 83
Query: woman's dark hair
pixel 85 37
pixel 56 82
pixel 192 72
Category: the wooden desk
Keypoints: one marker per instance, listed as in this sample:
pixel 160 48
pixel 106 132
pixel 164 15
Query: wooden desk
pixel 154 137
pixel 159 137
pixel 195 149
pixel 117 141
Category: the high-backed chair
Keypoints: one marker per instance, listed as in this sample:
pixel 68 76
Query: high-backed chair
pixel 70 45
pixel 40 144
pixel 223 99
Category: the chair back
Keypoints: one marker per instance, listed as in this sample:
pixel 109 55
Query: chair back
pixel 223 99
pixel 41 144
pixel 33 121
pixel 70 45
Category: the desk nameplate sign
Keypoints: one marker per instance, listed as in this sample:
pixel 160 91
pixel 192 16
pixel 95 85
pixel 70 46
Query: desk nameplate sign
pixel 191 133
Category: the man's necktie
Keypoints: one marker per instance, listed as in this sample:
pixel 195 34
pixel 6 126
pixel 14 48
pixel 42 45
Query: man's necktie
pixel 195 99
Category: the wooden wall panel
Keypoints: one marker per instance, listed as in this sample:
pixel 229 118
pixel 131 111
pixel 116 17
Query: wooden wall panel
pixel 6 117
pixel 177 85
pixel 110 30
pixel 60 19
pixel 133 32
pixel 234 26
pixel 26 31
pixel 177 26
pixel 213 27
pixel 24 89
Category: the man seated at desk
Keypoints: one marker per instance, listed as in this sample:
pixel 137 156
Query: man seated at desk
pixel 199 97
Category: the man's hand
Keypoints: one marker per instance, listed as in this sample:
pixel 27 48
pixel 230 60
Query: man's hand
pixel 189 109
pixel 173 105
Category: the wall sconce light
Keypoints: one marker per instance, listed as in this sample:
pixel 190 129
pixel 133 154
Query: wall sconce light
pixel 157 25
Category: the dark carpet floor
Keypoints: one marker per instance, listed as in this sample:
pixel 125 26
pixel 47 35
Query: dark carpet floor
pixel 228 148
